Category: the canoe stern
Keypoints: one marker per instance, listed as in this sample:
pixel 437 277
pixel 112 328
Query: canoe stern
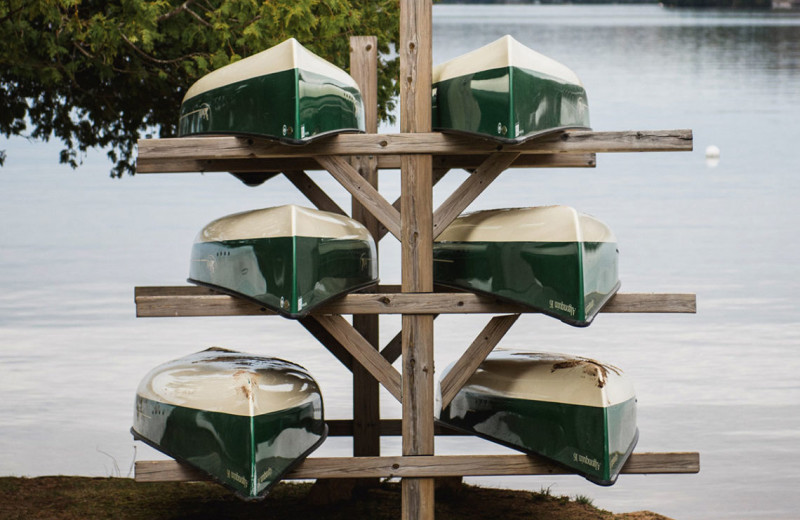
pixel 243 420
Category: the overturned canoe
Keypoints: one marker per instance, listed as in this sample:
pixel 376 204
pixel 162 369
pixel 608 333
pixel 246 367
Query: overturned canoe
pixel 507 92
pixel 552 258
pixel 285 92
pixel 243 420
pixel 573 410
pixel 288 258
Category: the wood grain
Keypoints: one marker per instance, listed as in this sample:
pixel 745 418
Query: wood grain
pixel 366 401
pixel 383 162
pixel 364 352
pixel 159 302
pixel 433 466
pixel 363 191
pixel 312 191
pixel 433 143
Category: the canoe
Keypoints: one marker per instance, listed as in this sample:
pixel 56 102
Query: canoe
pixel 551 258
pixel 289 259
pixel 285 92
pixel 243 420
pixel 573 410
pixel 507 92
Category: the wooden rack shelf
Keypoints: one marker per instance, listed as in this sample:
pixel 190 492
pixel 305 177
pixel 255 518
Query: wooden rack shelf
pixel 423 157
pixel 431 466
pixel 158 302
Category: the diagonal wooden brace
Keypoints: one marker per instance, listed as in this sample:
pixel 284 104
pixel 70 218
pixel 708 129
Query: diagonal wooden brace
pixel 363 352
pixel 312 191
pixel 469 190
pixel 362 191
pixel 489 337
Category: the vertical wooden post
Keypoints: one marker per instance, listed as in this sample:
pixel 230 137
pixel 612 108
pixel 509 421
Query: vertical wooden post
pixel 417 255
pixel 366 406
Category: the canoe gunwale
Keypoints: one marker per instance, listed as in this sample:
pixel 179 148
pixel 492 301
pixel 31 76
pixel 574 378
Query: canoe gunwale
pixel 282 312
pixel 505 140
pixel 569 469
pixel 289 141
pixel 575 323
pixel 263 493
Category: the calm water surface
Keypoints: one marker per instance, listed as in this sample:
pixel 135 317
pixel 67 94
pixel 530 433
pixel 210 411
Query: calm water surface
pixel 723 382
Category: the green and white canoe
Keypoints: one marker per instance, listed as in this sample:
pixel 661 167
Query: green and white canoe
pixel 575 411
pixel 552 258
pixel 243 420
pixel 288 258
pixel 285 92
pixel 507 92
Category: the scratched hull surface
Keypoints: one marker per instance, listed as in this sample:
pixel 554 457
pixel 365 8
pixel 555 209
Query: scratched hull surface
pixel 243 420
pixel 285 93
pixel 575 411
pixel 551 258
pixel 507 92
pixel 288 258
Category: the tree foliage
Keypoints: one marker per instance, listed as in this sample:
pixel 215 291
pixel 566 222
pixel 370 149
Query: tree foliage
pixel 97 73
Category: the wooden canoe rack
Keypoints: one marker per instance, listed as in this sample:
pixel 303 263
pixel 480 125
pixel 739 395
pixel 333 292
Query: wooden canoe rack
pixel 423 158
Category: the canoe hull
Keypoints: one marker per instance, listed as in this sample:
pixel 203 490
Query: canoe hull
pixel 246 452
pixel 594 440
pixel 513 94
pixel 569 277
pixel 295 105
pixel 290 274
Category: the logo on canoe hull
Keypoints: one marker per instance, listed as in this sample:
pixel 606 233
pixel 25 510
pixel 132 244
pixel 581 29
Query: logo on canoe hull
pixel 564 307
pixel 588 461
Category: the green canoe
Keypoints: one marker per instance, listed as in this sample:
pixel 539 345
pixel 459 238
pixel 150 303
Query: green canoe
pixel 243 420
pixel 552 258
pixel 507 92
pixel 285 93
pixel 575 411
pixel 288 258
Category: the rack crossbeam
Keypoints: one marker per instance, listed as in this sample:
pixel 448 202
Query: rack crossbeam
pixel 426 466
pixel 189 301
pixel 433 143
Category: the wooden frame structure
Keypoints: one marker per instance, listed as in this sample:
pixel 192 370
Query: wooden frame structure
pixel 423 158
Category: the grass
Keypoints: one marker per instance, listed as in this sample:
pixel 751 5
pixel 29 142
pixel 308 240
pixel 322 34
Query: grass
pixel 72 498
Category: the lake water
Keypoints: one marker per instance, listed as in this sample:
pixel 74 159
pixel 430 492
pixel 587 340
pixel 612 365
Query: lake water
pixel 723 382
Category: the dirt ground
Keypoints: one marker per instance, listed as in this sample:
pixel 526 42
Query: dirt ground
pixel 73 498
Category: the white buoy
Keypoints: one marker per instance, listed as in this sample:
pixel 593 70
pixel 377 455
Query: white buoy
pixel 712 156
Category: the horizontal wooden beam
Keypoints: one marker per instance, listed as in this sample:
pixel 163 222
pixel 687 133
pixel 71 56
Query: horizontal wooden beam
pixel 431 466
pixel 159 302
pixel 385 162
pixel 433 143
pixel 388 428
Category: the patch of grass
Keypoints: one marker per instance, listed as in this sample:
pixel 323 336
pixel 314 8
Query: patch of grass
pixel 73 498
pixel 583 499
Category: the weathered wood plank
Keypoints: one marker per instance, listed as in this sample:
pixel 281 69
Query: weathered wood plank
pixel 432 466
pixel 434 143
pixel 366 402
pixel 363 191
pixel 365 353
pixel 469 361
pixel 470 189
pixel 312 191
pixel 384 162
pixel 158 302
pixel 315 328
pixel 416 250
pixel 386 427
